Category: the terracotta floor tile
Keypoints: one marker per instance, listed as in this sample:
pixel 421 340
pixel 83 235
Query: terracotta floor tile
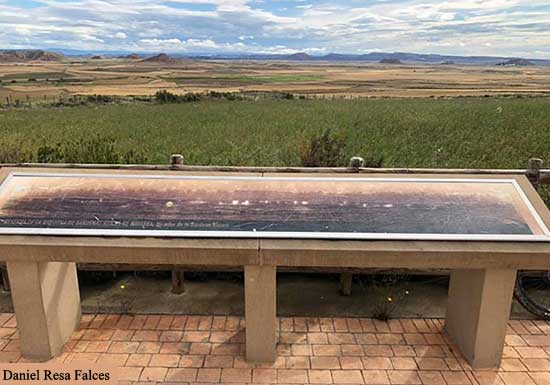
pixel 347 377
pixel 404 377
pixel 377 363
pixel 541 378
pixel 171 336
pixel 165 360
pixel 178 322
pixel 146 335
pixel 340 325
pixel 512 365
pixel 375 377
pixel 292 376
pixel 301 350
pixel 164 322
pixel 378 350
pixel 427 363
pixel 531 352
pixel 218 362
pixel 325 363
pixel 138 359
pixel 317 338
pixel 208 375
pixel 123 347
pixel 456 378
pixel 351 363
pixel 488 378
pixel 537 364
pixel 327 350
pixel 319 376
pixel 175 347
pixel 180 374
pixel 516 378
pixel 301 362
pixel 236 375
pixel 149 349
pixel 264 376
pixel 354 325
pixel 390 339
pixel 113 359
pixel 431 378
pixel 129 373
pixel 404 363
pixel 341 338
pixel 366 338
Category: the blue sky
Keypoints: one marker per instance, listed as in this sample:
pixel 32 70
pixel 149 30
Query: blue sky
pixel 471 27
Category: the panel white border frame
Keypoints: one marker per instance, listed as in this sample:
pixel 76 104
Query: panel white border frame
pixel 281 235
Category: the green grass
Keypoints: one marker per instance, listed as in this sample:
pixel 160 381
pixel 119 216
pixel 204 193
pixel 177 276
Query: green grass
pixel 280 78
pixel 485 133
pixel 34 75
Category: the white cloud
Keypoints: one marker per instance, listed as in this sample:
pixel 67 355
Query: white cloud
pixel 511 27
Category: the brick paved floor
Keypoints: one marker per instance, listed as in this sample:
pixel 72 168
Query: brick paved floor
pixel 202 349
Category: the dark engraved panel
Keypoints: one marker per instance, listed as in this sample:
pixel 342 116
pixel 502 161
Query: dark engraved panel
pixel 263 204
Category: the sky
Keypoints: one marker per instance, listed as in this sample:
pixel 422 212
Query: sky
pixel 472 27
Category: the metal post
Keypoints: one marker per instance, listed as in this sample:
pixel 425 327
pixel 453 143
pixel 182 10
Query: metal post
pixel 533 170
pixel 176 160
pixel 177 274
pixel 357 162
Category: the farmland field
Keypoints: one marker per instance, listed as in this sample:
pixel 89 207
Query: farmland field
pixel 123 77
pixel 460 132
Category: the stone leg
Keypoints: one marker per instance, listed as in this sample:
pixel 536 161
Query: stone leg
pixel 478 309
pixel 346 280
pixel 260 313
pixel 47 305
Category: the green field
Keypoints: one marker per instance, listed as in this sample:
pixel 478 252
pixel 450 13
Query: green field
pixel 467 132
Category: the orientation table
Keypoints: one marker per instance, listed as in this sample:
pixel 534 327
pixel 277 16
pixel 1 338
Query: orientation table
pixel 482 228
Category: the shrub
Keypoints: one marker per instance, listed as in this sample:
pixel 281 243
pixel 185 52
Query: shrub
pixel 100 99
pixel 164 96
pixel 48 154
pixel 388 292
pixel 14 153
pixel 97 149
pixel 189 97
pixel 324 150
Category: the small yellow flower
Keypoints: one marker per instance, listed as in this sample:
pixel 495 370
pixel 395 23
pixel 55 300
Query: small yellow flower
pixel 406 292
pixel 122 286
pixel 390 299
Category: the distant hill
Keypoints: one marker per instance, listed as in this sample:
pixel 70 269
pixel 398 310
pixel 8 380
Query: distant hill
pixel 299 56
pixel 160 58
pixel 516 62
pixel 374 57
pixel 390 61
pixel 132 56
pixel 26 55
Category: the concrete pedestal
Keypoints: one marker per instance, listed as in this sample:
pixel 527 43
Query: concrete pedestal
pixel 477 313
pixel 47 305
pixel 261 313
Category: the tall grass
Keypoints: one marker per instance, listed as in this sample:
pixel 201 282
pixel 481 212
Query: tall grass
pixel 484 132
